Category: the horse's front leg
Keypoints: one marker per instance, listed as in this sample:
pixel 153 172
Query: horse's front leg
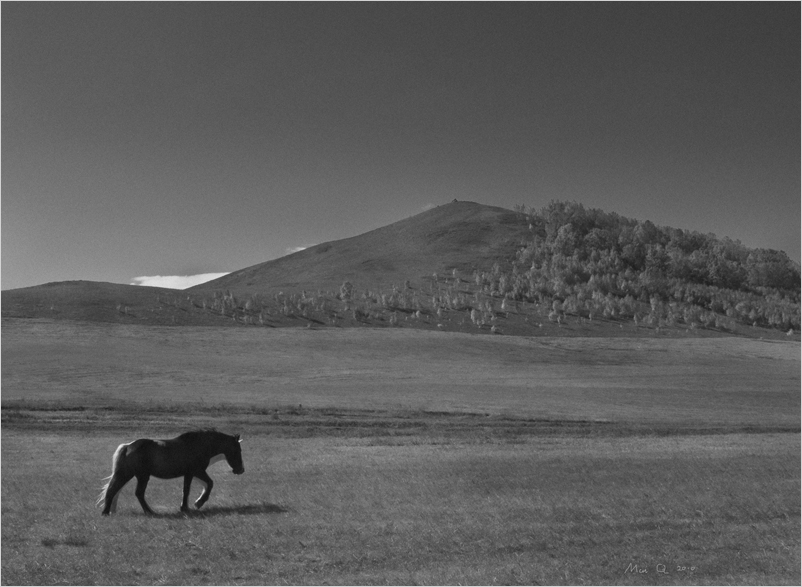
pixel 185 500
pixel 206 490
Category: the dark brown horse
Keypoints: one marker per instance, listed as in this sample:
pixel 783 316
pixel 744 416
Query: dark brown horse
pixel 185 456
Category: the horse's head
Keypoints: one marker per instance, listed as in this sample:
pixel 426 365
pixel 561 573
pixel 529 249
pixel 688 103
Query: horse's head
pixel 233 454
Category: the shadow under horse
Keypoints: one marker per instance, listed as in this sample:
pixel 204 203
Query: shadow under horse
pixel 187 456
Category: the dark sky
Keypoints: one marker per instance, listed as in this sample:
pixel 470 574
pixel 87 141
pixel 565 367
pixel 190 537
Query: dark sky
pixel 151 139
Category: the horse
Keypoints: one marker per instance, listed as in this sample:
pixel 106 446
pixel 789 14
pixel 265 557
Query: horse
pixel 185 456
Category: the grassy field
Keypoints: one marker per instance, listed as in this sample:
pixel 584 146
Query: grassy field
pixel 707 381
pixel 466 504
pixel 405 457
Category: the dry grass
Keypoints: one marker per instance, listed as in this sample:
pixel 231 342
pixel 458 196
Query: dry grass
pixel 415 458
pixel 464 509
pixel 723 380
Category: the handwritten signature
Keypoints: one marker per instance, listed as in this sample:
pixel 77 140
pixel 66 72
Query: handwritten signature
pixel 660 569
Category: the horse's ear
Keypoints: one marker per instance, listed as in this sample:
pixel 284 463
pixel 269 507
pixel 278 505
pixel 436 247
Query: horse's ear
pixel 238 438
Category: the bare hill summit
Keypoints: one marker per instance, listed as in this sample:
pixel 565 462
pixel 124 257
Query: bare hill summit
pixel 461 235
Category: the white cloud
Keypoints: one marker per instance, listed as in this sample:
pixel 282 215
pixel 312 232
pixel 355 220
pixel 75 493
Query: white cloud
pixel 291 250
pixel 428 206
pixel 175 281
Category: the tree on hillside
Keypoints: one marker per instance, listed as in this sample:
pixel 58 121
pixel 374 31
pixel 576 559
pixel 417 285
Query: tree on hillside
pixel 346 291
pixel 681 275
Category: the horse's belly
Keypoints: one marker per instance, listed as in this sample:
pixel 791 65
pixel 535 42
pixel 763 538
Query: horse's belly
pixel 168 474
pixel 171 471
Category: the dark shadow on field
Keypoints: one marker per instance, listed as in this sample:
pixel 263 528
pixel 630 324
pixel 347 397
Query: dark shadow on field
pixel 253 509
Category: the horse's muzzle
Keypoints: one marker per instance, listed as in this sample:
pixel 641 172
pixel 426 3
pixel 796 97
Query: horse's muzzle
pixel 239 471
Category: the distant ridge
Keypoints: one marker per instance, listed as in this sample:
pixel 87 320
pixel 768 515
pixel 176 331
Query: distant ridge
pixel 97 301
pixel 462 235
pixel 563 270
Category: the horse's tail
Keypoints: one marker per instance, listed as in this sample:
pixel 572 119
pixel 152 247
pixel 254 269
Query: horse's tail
pixel 116 461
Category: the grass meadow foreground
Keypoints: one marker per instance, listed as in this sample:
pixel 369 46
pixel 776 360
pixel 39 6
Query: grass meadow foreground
pixel 475 502
pixel 404 457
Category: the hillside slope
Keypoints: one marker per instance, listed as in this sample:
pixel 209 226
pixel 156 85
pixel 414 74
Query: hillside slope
pixel 563 270
pixel 461 235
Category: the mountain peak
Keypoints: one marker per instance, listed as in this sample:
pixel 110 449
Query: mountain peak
pixel 459 235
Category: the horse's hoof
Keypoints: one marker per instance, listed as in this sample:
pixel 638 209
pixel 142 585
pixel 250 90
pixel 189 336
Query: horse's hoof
pixel 104 513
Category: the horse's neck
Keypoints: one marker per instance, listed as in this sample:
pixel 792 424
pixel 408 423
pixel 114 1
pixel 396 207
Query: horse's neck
pixel 215 452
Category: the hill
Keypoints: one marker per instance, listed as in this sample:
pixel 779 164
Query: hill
pixel 461 235
pixel 561 270
pixel 94 301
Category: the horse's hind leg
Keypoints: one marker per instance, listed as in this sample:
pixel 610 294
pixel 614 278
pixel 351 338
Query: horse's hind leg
pixel 141 485
pixel 206 491
pixel 114 503
pixel 116 483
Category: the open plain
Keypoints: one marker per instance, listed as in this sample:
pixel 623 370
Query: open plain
pixel 405 457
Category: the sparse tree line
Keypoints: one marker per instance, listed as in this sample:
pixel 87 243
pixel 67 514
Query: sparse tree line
pixel 393 305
